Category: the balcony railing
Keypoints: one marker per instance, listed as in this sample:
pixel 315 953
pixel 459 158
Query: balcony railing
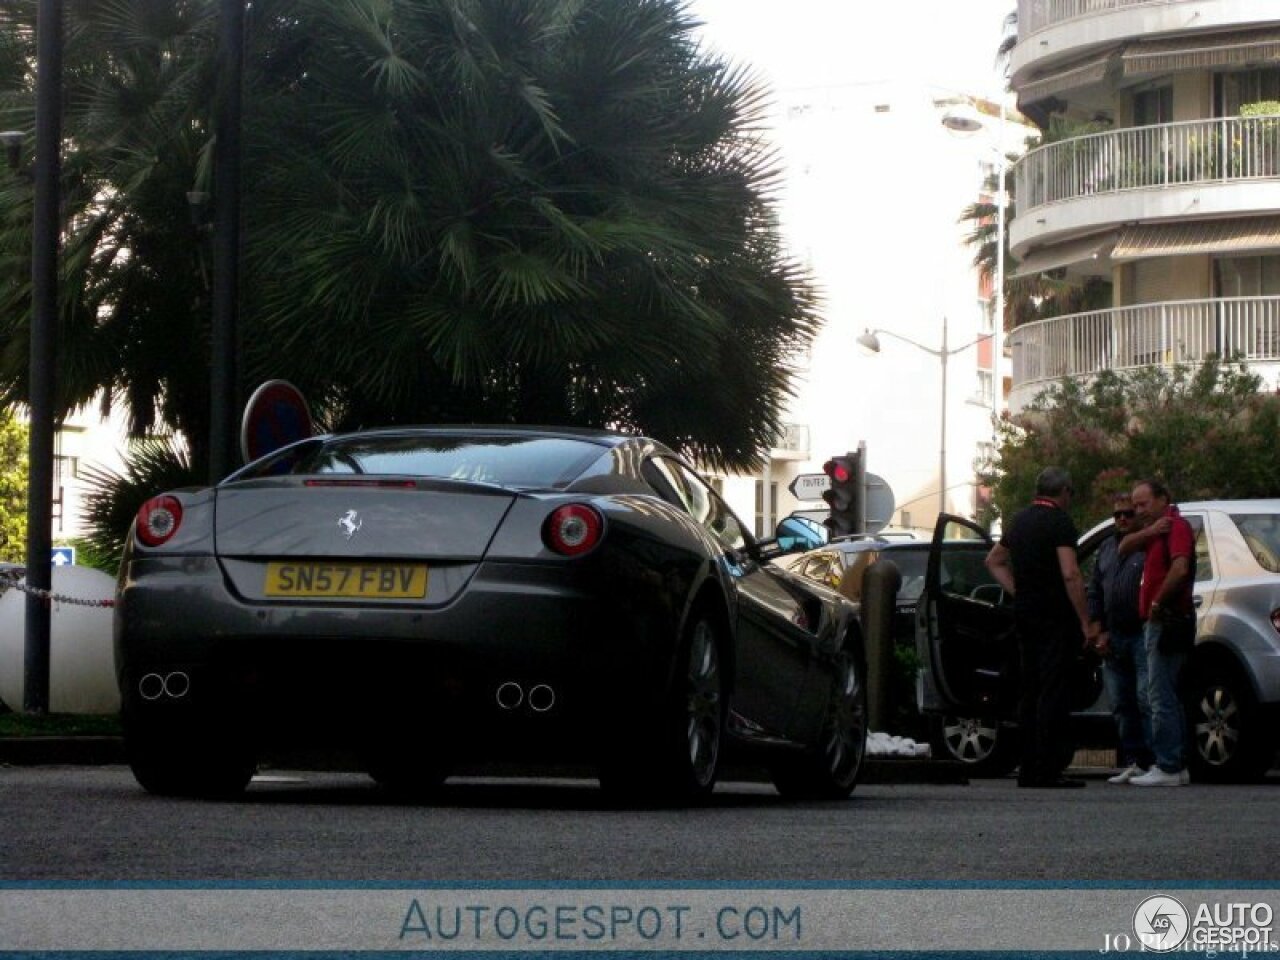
pixel 1184 331
pixel 1035 15
pixel 1196 151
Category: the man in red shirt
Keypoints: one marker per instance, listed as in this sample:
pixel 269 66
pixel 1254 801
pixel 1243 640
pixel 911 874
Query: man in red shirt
pixel 1165 596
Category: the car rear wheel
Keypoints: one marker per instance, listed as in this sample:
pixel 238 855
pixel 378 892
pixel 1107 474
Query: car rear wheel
pixel 830 771
pixel 186 759
pixel 1227 742
pixel 980 743
pixel 677 760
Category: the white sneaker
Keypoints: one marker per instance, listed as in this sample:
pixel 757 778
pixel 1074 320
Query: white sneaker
pixel 1155 777
pixel 1127 774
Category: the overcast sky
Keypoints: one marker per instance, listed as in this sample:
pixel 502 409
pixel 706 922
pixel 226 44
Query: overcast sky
pixel 803 43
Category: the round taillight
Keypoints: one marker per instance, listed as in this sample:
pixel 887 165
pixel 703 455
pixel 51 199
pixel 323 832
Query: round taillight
pixel 573 529
pixel 158 520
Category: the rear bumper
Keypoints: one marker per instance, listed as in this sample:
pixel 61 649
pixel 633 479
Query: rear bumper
pixel 528 656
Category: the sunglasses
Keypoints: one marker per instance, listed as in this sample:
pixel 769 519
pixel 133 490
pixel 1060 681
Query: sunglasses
pixel 1127 514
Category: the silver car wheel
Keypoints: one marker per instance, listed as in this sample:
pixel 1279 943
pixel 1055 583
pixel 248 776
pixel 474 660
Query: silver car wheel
pixel 970 739
pixel 1217 726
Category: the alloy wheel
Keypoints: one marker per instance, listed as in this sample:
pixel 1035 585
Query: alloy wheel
pixel 703 704
pixel 1216 725
pixel 846 735
pixel 970 739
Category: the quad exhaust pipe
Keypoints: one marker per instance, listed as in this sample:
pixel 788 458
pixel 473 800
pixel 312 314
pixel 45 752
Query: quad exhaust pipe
pixel 510 695
pixel 174 685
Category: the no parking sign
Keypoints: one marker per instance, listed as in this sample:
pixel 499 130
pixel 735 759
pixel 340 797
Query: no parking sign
pixel 275 416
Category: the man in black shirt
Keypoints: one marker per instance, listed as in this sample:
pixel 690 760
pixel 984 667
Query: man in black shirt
pixel 1035 561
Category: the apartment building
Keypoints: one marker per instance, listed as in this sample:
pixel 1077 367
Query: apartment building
pixel 1159 176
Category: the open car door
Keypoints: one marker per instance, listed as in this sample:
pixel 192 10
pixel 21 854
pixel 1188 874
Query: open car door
pixel 964 628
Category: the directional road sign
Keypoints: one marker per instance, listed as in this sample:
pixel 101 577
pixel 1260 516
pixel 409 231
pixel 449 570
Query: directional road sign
pixel 809 486
pixel 64 556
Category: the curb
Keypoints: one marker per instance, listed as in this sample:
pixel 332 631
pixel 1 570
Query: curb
pixel 101 751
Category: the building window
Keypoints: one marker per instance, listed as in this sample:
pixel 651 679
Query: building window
pixel 1233 90
pixel 1248 276
pixel 765 520
pixel 986 388
pixel 1153 106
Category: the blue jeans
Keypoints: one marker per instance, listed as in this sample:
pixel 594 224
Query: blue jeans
pixel 1168 726
pixel 1124 671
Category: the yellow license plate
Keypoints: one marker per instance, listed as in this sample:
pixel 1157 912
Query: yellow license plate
pixel 381 581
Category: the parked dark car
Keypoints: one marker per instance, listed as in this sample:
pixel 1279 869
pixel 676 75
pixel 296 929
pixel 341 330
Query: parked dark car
pixel 438 595
pixel 1231 684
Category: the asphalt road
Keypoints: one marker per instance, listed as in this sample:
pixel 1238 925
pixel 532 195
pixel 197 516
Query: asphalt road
pixel 94 823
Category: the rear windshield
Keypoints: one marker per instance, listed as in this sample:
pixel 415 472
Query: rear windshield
pixel 1261 532
pixel 528 462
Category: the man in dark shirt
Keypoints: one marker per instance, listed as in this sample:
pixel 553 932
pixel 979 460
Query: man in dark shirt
pixel 1113 607
pixel 1035 561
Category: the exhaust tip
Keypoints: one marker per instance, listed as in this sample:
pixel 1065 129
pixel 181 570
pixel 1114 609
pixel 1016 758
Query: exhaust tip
pixel 509 695
pixel 151 686
pixel 177 684
pixel 541 698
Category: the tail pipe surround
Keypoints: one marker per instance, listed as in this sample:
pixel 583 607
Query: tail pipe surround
pixel 511 695
pixel 173 685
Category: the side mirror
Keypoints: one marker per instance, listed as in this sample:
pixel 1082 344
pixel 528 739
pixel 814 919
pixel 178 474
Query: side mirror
pixel 798 533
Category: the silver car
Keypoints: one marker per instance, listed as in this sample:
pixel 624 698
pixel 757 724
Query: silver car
pixel 1231 682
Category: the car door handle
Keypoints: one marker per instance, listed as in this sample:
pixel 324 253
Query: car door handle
pixel 1196 601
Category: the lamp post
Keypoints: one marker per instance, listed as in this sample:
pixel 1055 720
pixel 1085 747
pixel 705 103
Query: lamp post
pixel 223 378
pixel 45 235
pixel 967 120
pixel 870 341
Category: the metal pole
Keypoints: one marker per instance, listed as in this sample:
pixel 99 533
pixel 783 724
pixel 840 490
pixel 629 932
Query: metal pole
pixel 942 444
pixel 223 398
pixel 46 227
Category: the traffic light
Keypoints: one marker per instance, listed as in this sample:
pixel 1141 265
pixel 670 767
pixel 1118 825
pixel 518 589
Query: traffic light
pixel 842 495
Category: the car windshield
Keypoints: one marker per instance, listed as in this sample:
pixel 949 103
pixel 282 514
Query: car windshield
pixel 509 461
pixel 1261 532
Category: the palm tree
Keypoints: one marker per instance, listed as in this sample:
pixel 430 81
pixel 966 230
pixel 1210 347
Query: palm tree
pixel 539 211
pixel 132 283
pixel 509 210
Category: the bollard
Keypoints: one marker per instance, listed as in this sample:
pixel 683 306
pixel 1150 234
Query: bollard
pixel 879 595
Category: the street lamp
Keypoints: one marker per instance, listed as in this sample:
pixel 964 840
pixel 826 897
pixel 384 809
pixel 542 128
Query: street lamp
pixel 966 119
pixel 870 341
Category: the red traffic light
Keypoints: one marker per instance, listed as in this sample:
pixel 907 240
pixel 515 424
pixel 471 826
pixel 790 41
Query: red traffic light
pixel 838 471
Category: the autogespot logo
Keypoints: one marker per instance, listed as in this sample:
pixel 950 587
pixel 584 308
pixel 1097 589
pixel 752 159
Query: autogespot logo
pixel 1161 923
